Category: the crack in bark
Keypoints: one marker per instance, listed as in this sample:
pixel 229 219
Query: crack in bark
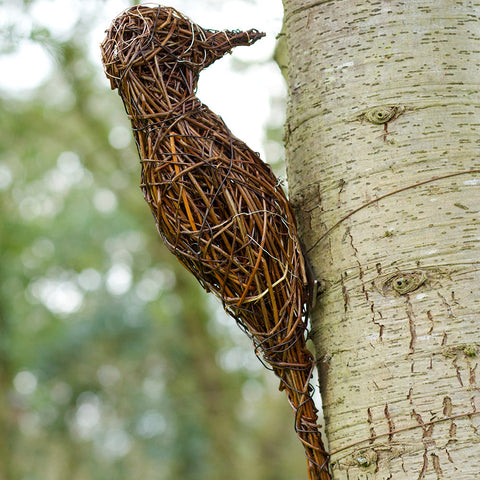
pixel 370 422
pixel 447 406
pixel 472 403
pixel 391 424
pixel 409 396
pixel 411 324
pixel 447 306
pixel 457 369
pixel 341 185
pixel 436 465
pixel 452 431
pixel 346 298
pixel 424 466
pixel 430 318
pixel 448 456
pixel 419 419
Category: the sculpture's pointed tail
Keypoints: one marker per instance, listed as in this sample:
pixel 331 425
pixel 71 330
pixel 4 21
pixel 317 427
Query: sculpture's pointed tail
pixel 296 383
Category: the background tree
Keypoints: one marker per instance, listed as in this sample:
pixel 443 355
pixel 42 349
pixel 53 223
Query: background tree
pixel 383 167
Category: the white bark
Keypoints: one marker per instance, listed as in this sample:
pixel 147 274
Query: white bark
pixel 390 215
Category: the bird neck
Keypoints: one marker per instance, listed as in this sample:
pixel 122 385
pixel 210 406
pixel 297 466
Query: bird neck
pixel 182 92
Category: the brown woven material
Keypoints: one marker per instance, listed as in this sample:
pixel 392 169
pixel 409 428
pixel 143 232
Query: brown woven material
pixel 217 206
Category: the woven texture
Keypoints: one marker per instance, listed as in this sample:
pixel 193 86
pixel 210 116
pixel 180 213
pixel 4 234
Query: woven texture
pixel 218 207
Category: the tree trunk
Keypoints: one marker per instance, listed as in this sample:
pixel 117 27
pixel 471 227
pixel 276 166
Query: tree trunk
pixel 382 142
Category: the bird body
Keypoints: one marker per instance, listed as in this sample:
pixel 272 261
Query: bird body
pixel 218 207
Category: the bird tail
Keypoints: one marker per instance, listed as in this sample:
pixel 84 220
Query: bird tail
pixel 295 381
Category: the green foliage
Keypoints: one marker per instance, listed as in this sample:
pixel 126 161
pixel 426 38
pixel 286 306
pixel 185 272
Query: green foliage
pixel 113 362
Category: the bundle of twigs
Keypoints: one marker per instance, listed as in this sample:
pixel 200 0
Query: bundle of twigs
pixel 217 206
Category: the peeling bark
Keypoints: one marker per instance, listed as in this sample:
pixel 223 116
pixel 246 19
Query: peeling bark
pixel 382 143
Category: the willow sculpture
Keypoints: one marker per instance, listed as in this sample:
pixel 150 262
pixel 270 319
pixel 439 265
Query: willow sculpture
pixel 218 207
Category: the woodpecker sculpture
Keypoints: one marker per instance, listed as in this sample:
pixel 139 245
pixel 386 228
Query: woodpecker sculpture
pixel 218 207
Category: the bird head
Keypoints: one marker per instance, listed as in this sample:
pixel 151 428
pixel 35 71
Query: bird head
pixel 142 34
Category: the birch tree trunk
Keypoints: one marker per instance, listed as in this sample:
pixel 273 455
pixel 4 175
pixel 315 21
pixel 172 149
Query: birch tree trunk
pixel 383 140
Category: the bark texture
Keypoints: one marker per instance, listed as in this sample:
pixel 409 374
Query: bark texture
pixel 383 143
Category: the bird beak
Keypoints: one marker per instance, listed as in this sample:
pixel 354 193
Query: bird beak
pixel 222 42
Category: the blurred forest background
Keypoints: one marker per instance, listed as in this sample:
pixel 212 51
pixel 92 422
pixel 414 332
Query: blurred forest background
pixel 114 364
